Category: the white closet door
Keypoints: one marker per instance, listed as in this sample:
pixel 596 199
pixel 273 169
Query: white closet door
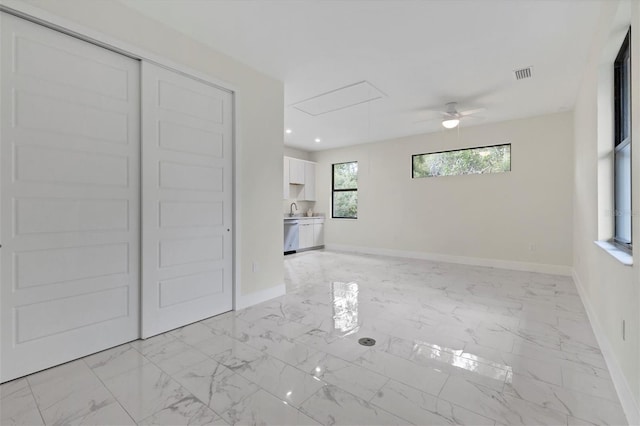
pixel 186 197
pixel 69 203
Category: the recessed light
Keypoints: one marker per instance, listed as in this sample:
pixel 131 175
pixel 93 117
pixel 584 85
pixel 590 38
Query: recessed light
pixel 317 140
pixel 288 131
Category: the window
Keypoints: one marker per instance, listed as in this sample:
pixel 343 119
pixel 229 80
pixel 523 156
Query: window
pixel 487 159
pixel 345 190
pixel 622 139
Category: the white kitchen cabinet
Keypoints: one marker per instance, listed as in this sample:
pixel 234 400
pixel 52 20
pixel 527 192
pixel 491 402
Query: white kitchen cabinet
pixel 310 232
pixel 299 179
pixel 309 181
pixel 306 236
pixel 318 232
pixel 296 171
pixel 285 187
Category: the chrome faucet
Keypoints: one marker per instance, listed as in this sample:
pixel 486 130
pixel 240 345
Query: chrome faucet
pixel 291 209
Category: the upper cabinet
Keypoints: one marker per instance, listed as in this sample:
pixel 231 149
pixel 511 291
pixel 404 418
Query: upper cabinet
pixel 299 179
pixel 309 181
pixel 296 171
pixel 286 178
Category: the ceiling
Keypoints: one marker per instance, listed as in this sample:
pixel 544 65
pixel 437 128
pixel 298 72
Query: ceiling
pixel 418 53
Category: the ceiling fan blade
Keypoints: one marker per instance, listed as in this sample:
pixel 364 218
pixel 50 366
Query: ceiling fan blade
pixel 471 111
pixel 471 117
pixel 429 115
pixel 434 108
pixel 426 120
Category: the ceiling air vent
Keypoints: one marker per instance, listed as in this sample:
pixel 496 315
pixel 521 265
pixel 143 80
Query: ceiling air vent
pixel 522 73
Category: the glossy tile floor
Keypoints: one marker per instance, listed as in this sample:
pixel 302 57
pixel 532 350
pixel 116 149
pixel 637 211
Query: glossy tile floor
pixel 455 345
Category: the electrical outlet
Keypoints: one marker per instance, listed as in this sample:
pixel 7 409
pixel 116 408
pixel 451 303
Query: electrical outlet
pixel 254 267
pixel 532 247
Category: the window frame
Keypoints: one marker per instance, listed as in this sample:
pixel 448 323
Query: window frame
pixel 334 190
pixel 622 92
pixel 413 176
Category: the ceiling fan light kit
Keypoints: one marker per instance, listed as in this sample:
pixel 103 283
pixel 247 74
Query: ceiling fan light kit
pixel 450 123
pixel 451 117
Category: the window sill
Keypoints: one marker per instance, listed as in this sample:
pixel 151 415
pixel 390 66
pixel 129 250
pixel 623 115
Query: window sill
pixel 619 254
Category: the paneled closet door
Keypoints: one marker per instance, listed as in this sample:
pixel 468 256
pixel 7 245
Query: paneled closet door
pixel 187 200
pixel 69 203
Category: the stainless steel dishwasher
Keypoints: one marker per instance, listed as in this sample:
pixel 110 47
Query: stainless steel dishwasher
pixel 291 238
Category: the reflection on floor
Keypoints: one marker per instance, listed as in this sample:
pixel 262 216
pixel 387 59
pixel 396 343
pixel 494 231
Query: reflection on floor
pixel 454 345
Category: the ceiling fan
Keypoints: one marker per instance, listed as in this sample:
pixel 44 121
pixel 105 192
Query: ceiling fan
pixel 451 116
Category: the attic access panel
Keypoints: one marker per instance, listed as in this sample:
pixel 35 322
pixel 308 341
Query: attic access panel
pixel 344 97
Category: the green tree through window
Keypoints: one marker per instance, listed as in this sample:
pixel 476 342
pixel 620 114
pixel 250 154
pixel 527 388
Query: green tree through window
pixel 489 159
pixel 345 190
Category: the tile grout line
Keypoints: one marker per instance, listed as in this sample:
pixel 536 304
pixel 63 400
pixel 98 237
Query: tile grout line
pixel 470 409
pixel 404 359
pixel 171 376
pixel 299 407
pixel 34 400
pixel 164 372
pixel 240 375
pixel 109 390
pixel 379 389
pixel 276 396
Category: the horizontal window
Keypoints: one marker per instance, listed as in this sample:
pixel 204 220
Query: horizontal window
pixel 487 159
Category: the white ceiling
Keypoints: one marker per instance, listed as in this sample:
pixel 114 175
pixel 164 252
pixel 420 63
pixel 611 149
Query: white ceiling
pixel 420 53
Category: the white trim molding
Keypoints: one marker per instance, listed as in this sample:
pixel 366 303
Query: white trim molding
pixel 244 301
pixel 629 404
pixel 620 255
pixel 475 261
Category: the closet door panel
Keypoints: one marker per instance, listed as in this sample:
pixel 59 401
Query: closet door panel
pixel 69 198
pixel 187 200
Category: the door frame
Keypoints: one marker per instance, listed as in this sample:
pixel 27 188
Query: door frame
pixel 42 17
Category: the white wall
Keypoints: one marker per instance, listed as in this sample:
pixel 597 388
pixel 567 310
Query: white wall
pixel 610 290
pixel 522 217
pixel 259 142
pixel 297 153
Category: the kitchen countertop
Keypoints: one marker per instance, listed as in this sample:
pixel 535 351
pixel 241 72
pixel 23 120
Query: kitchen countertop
pixel 303 217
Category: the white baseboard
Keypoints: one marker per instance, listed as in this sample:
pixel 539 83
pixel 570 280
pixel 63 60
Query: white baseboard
pixel 244 301
pixel 629 404
pixel 476 261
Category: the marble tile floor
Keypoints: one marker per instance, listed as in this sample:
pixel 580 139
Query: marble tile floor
pixel 454 345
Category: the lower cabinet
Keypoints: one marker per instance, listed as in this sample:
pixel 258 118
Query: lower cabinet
pixel 306 234
pixel 318 233
pixel 311 233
